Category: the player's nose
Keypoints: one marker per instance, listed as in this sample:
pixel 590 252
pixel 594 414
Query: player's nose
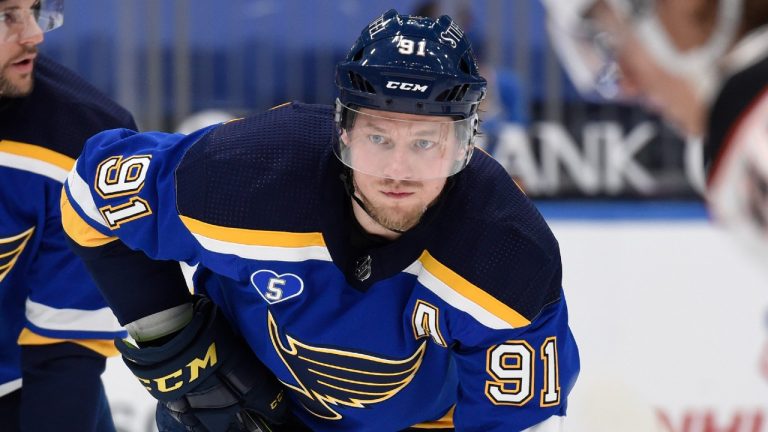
pixel 31 34
pixel 398 165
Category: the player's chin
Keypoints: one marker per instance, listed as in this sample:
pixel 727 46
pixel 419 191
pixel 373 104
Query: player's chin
pixel 19 87
pixel 399 209
pixel 403 219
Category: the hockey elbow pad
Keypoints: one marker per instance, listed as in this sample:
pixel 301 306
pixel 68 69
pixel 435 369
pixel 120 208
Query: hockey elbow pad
pixel 207 376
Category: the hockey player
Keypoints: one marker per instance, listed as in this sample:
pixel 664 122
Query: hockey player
pixel 703 65
pixel 56 328
pixel 360 268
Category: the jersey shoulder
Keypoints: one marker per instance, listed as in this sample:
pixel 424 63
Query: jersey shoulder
pixel 261 172
pixel 494 238
pixel 70 109
pixel 738 94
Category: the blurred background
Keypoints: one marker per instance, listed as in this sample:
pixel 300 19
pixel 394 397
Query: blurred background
pixel 668 310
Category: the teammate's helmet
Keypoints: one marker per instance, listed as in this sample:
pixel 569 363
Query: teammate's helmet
pixel 411 65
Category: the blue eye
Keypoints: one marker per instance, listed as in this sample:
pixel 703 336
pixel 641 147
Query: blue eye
pixel 423 144
pixel 377 139
pixel 15 16
pixel 10 17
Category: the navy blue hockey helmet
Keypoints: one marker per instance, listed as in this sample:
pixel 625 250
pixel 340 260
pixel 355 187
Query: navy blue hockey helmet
pixel 411 66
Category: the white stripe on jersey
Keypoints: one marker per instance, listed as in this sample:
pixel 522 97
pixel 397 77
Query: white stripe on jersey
pixel 33 165
pixel 81 193
pixel 455 299
pixel 414 268
pixel 9 387
pixel 265 253
pixel 46 317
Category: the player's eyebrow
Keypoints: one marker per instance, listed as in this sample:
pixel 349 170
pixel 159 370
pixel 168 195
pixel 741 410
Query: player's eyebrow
pixel 424 129
pixel 376 127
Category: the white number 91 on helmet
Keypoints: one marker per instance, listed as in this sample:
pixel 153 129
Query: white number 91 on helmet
pixel 403 146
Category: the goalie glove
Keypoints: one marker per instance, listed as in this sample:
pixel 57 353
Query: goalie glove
pixel 207 377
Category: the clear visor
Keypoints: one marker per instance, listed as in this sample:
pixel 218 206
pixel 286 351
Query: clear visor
pixel 398 147
pixel 17 21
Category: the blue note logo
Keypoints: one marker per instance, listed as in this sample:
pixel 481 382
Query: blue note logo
pixel 275 288
pixel 10 250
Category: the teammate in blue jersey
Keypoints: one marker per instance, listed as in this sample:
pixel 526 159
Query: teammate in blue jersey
pixel 360 268
pixel 55 327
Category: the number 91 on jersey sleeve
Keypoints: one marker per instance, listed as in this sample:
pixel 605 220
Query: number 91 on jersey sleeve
pixel 122 177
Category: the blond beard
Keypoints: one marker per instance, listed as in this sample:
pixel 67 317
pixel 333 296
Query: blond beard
pixel 397 222
pixel 10 90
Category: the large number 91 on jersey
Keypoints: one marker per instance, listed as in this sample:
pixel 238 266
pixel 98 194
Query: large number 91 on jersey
pixel 512 364
pixel 118 177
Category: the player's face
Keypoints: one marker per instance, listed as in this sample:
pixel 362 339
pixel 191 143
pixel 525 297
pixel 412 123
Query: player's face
pixel 393 204
pixel 18 47
pixel 402 146
pixel 400 164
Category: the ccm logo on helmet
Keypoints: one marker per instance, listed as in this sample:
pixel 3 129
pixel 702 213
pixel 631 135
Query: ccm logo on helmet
pixel 407 86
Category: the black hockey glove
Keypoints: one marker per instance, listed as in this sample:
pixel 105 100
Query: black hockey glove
pixel 208 378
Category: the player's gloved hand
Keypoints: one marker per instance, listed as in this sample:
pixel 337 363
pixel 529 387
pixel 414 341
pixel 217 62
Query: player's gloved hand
pixel 208 378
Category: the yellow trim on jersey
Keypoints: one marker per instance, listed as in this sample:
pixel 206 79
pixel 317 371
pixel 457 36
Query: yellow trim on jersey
pixel 484 151
pixel 105 347
pixel 472 292
pixel 36 152
pixel 79 230
pixel 444 422
pixel 253 237
pixel 284 104
pixel 24 237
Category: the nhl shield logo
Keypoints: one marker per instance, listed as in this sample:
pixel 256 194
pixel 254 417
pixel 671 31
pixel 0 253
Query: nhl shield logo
pixel 274 287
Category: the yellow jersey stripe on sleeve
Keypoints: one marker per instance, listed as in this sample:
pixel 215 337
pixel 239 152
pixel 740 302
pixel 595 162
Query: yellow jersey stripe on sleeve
pixel 444 422
pixel 259 245
pixel 36 152
pixel 464 295
pixel 253 237
pixel 102 346
pixel 77 229
pixel 35 159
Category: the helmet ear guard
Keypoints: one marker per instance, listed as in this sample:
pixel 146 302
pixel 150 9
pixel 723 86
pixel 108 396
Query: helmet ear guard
pixel 343 117
pixel 475 124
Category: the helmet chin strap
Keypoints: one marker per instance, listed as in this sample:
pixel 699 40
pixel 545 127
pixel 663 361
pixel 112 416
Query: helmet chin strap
pixel 349 187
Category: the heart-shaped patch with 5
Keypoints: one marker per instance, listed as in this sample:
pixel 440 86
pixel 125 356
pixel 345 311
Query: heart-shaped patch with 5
pixel 274 287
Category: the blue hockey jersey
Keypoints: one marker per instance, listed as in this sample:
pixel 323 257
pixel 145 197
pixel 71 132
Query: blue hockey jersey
pixel 461 322
pixel 46 294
